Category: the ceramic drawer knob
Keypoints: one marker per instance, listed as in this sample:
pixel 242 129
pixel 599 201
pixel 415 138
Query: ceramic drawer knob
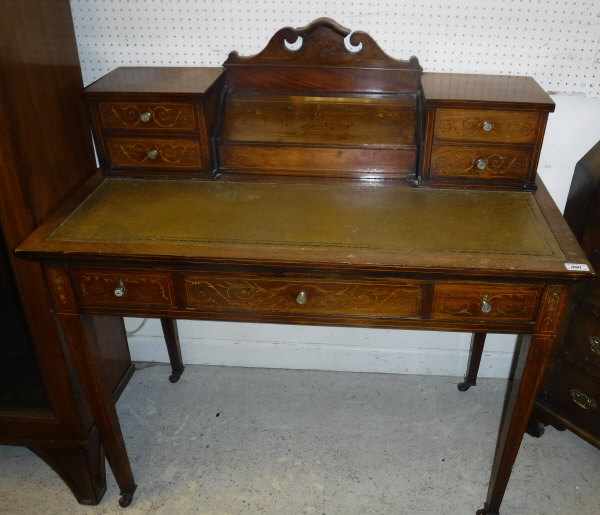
pixel 119 291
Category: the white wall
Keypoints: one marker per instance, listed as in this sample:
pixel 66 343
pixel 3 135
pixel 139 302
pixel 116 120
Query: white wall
pixel 556 42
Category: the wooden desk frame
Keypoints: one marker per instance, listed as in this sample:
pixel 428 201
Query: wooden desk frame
pixel 157 277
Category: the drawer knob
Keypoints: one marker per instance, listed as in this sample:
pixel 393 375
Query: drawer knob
pixel 119 291
pixel 486 307
pixel 152 154
pixel 582 400
pixel 487 126
pixel 480 164
pixel 146 116
pixel 301 298
pixel 594 342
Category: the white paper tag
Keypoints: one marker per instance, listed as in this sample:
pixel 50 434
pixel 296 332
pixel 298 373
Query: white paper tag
pixel 577 267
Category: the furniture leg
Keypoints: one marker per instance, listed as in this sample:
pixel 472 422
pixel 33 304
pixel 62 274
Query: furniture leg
pixel 80 467
pixel 81 338
pixel 534 354
pixel 477 344
pixel 169 327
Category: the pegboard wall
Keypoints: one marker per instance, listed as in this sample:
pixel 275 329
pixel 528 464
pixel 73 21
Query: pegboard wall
pixel 555 41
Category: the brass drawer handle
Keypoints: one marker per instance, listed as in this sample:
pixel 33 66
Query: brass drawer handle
pixel 582 400
pixel 301 298
pixel 486 307
pixel 481 164
pixel 146 116
pixel 120 291
pixel 487 126
pixel 152 154
pixel 594 342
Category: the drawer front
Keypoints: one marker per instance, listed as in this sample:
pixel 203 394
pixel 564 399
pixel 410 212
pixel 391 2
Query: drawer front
pixel 144 153
pixel 484 302
pixel 335 161
pixel 129 288
pixel 574 395
pixel 228 292
pixel 479 162
pixel 493 126
pixel 582 342
pixel 147 116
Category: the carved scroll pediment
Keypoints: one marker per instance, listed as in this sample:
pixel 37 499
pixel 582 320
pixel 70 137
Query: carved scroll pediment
pixel 323 43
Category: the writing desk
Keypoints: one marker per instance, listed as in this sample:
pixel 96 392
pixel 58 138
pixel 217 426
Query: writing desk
pixel 289 247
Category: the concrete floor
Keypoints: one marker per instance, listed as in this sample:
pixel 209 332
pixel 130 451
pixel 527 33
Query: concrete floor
pixel 237 440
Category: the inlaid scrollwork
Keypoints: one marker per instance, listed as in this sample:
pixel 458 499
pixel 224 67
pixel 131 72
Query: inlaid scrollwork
pixel 456 302
pixel 180 153
pixel 456 162
pixel 140 289
pixel 275 295
pixel 486 125
pixel 162 116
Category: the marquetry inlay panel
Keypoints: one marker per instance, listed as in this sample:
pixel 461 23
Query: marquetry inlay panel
pixel 155 153
pixel 470 124
pixel 124 287
pixel 228 292
pixel 485 301
pixel 130 115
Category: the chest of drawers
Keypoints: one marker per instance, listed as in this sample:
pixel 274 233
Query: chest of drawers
pixel 482 130
pixel 570 394
pixel 155 121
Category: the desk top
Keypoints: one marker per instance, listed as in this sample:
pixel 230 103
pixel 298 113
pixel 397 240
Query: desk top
pixel 360 225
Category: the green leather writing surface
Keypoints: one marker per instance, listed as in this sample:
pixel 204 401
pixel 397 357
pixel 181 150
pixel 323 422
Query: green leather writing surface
pixel 312 216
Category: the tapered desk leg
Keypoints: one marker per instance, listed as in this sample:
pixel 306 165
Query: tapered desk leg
pixel 477 344
pixel 533 357
pixel 80 334
pixel 169 327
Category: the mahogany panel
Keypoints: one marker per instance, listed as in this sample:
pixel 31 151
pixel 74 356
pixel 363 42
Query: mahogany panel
pixel 317 119
pixel 342 161
pixel 330 57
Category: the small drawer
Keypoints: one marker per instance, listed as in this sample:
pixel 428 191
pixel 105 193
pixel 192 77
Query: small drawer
pixel 460 301
pixel 468 162
pixel 129 288
pixel 575 395
pixel 147 116
pixel 228 292
pixel 144 153
pixel 582 342
pixel 493 126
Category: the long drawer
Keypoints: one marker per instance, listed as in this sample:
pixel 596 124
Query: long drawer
pixel 310 295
